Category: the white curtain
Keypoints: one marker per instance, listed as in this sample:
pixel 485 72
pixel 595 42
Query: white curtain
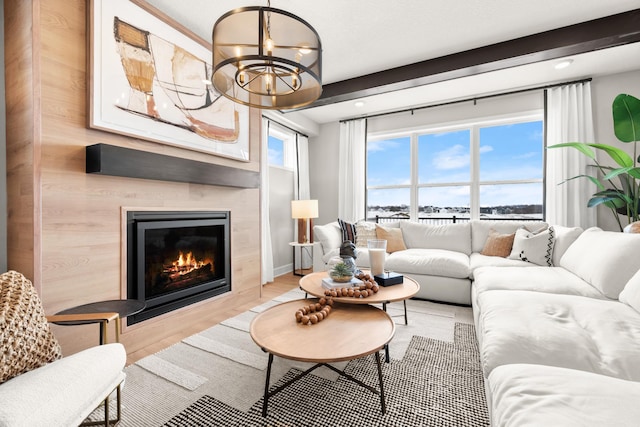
pixel 351 174
pixel 301 171
pixel 265 227
pixel 569 119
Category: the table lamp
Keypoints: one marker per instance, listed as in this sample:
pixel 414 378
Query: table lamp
pixel 304 210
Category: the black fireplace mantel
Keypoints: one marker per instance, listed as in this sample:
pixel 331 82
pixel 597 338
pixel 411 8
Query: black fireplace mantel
pixel 112 160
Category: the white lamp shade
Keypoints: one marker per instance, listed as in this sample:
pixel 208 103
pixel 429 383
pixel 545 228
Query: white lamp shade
pixel 304 209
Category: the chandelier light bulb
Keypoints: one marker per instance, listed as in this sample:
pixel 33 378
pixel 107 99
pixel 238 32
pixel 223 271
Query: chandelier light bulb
pixel 268 45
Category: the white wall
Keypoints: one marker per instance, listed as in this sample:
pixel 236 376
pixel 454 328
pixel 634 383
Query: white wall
pixel 323 171
pixel 604 90
pixel 282 225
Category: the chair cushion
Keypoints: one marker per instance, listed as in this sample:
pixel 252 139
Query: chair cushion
pixel 65 392
pixel 535 395
pixel 606 259
pixel 433 262
pixel 539 328
pixel 25 336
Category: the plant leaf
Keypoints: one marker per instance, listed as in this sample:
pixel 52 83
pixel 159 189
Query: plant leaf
pixel 626 118
pixel 580 146
pixel 590 178
pixel 617 154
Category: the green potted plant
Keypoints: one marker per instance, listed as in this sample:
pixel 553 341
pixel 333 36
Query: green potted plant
pixel 341 273
pixel 618 187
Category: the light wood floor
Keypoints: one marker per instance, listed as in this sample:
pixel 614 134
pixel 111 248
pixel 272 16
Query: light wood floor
pixel 281 285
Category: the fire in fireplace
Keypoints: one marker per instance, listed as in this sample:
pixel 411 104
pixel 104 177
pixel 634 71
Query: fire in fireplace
pixel 176 258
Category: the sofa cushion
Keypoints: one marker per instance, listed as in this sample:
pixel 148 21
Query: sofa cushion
pixel 365 230
pixel 630 295
pixel 554 280
pixel 393 236
pixel 434 262
pixel 565 236
pixel 535 395
pixel 541 328
pixel 480 230
pixel 478 260
pixel 534 246
pixel 606 259
pixel 452 237
pixel 498 244
pixel 329 236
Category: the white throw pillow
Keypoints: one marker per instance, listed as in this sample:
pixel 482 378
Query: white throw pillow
pixel 329 236
pixel 535 247
pixel 565 236
pixel 365 230
pixel 630 295
pixel 605 259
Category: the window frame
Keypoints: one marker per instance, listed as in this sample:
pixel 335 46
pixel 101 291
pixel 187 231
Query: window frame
pixel 288 139
pixel 474 182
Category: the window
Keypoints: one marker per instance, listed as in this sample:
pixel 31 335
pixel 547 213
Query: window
pixel 489 169
pixel 281 145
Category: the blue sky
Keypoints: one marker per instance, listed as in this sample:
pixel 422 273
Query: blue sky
pixel 507 152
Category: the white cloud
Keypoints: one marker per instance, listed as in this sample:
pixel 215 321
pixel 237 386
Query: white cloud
pixel 381 145
pixel 485 149
pixel 455 157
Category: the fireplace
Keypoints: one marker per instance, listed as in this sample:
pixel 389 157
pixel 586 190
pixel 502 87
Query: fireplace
pixel 176 258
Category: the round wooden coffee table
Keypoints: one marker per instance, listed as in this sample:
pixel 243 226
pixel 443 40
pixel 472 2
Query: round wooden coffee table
pixel 312 284
pixel 350 332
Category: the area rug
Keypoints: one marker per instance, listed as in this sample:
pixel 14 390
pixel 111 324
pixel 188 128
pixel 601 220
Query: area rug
pixel 436 384
pixel 216 378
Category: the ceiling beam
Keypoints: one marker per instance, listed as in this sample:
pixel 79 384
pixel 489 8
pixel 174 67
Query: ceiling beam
pixel 602 33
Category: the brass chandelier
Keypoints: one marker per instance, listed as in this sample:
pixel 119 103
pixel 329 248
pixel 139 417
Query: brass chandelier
pixel 266 58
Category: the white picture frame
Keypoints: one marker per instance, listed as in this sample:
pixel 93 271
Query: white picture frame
pixel 148 80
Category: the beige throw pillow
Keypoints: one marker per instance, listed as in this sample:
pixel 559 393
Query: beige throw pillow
pixel 393 236
pixel 498 244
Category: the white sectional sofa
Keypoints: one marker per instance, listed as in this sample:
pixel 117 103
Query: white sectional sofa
pixel 441 258
pixel 559 343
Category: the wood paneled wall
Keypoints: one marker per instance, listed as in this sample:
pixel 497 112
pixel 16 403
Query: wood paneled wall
pixel 64 226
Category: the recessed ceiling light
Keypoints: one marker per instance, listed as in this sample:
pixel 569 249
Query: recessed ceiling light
pixel 359 104
pixel 563 64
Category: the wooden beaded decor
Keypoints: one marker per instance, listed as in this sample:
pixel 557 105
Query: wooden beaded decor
pixel 314 313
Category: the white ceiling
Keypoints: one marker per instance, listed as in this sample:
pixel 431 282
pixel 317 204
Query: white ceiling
pixel 360 37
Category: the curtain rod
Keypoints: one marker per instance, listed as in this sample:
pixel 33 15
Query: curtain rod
pixel 285 126
pixel 474 99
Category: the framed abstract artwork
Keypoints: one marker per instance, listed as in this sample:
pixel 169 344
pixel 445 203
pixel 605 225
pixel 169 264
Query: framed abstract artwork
pixel 149 80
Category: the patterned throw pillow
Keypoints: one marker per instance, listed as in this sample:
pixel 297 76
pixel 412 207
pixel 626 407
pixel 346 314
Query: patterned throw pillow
pixel 534 246
pixel 348 231
pixel 498 244
pixel 365 230
pixel 25 336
